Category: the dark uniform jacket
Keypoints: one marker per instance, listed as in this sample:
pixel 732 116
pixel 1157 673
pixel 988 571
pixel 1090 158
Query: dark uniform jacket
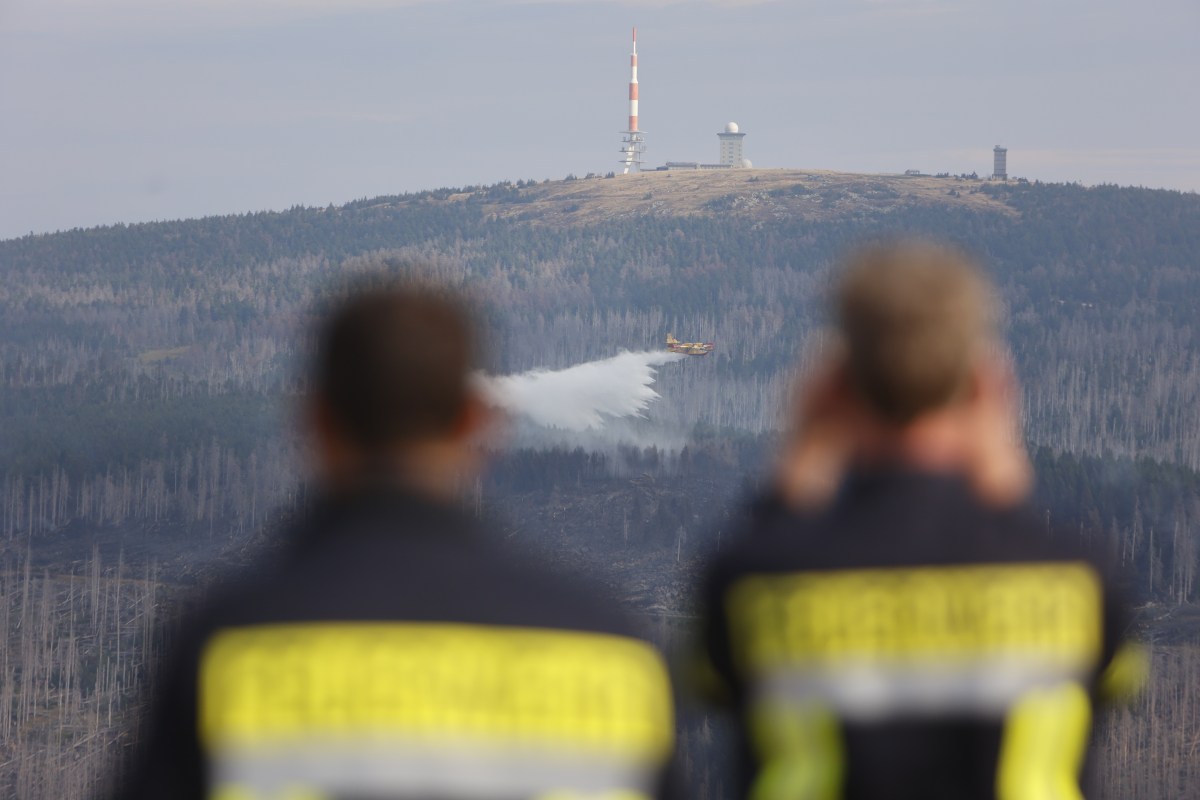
pixel 396 652
pixel 910 643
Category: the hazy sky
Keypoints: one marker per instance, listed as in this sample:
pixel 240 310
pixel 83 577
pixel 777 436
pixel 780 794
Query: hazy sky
pixel 134 110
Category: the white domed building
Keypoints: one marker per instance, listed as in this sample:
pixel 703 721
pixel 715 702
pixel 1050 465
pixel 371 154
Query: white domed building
pixel 731 147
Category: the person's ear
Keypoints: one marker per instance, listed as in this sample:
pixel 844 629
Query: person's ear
pixel 477 419
pixel 318 420
pixel 336 455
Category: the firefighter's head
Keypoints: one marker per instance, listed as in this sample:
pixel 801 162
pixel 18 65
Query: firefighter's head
pixel 392 389
pixel 920 378
pixel 916 320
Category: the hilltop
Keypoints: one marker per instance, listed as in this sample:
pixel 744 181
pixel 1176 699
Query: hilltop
pixel 764 194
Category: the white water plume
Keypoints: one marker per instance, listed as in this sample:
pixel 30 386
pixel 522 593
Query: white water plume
pixel 585 397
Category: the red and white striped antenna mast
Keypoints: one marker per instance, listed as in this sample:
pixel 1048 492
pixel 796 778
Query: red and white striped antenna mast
pixel 633 144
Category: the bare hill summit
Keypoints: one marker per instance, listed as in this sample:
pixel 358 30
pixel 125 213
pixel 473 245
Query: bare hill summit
pixel 760 194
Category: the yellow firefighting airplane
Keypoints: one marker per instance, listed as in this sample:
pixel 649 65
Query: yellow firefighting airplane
pixel 689 348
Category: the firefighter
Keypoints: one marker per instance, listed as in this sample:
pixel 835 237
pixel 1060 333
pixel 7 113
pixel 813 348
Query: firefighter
pixel 895 623
pixel 395 649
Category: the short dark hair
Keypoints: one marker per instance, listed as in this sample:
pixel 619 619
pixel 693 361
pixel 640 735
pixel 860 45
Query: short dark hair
pixel 914 316
pixel 393 363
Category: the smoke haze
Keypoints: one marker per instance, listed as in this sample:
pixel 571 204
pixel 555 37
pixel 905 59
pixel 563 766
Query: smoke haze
pixel 583 398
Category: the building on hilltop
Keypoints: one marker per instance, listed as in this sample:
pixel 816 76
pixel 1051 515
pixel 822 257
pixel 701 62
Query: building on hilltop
pixel 731 147
pixel 691 165
pixel 730 154
pixel 999 163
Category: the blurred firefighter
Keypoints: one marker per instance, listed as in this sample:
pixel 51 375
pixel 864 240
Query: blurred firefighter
pixel 895 623
pixel 396 650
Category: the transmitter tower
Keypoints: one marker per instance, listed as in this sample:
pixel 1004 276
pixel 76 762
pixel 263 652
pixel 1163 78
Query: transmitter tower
pixel 632 144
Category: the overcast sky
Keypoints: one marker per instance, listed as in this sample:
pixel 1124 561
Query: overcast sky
pixel 135 110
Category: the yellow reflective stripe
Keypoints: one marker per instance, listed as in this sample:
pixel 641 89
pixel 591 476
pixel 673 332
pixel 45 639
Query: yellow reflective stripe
pixel 434 682
pixel 1042 751
pixel 1052 610
pixel 1127 673
pixel 236 792
pixel 800 751
pixel 233 792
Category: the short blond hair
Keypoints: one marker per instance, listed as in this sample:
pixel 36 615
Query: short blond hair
pixel 914 317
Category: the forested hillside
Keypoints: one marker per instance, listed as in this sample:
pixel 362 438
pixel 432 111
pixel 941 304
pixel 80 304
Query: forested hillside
pixel 150 373
pixel 1100 284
